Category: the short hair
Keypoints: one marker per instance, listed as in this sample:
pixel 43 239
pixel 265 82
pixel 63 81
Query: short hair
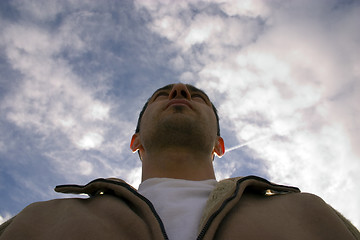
pixel 169 86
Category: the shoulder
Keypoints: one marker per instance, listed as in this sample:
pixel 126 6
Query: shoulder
pixel 69 216
pixel 34 213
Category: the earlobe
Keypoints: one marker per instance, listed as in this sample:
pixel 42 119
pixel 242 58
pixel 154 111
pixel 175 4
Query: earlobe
pixel 135 143
pixel 219 146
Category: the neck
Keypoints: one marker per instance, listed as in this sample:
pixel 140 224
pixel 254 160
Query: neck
pixel 178 164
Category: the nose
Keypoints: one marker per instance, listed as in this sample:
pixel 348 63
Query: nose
pixel 180 90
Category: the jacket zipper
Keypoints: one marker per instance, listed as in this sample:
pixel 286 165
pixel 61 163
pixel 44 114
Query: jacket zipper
pixel 213 216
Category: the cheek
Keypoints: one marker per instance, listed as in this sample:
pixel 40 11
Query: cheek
pixel 144 122
pixel 211 121
pixel 148 117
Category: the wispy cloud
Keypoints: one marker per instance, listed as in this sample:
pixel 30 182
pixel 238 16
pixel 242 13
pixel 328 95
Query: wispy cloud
pixel 61 96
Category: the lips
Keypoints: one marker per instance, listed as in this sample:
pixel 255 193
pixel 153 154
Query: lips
pixel 179 102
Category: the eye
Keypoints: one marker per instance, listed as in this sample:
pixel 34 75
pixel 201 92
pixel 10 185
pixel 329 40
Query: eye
pixel 198 97
pixel 161 95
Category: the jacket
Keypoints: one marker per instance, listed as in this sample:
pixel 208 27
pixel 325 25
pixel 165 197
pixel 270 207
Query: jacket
pixel 238 208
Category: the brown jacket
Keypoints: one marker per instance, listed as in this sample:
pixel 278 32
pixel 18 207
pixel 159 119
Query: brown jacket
pixel 238 208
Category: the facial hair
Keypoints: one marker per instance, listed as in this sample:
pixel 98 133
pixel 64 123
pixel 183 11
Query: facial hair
pixel 179 130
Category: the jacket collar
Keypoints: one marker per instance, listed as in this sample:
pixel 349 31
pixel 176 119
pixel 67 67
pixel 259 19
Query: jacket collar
pixel 229 189
pixel 97 186
pixel 222 197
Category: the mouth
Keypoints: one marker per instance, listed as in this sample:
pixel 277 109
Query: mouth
pixel 178 102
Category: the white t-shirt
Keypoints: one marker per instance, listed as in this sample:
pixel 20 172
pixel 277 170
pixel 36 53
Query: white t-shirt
pixel 179 203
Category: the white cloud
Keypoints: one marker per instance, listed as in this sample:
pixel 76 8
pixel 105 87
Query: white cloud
pixel 216 32
pixel 53 101
pixel 90 140
pixel 5 217
pixel 51 97
pixel 250 8
pixel 99 111
pixel 86 167
pixel 133 177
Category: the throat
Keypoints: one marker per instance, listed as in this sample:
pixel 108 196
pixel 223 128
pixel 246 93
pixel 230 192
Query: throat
pixel 178 165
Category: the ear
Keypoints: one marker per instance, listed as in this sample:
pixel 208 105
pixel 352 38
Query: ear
pixel 135 143
pixel 219 148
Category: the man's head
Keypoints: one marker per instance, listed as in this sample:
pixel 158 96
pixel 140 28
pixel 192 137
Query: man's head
pixel 180 116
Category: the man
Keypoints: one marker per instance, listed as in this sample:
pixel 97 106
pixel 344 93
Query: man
pixel 176 138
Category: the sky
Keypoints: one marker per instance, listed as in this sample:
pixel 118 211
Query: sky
pixel 284 76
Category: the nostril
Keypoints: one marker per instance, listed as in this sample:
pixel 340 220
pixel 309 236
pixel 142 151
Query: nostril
pixel 184 93
pixel 173 94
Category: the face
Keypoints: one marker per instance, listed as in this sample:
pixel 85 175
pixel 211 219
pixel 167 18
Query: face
pixel 181 115
pixel 167 88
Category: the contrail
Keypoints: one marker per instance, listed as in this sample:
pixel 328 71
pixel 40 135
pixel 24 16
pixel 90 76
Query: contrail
pixel 246 143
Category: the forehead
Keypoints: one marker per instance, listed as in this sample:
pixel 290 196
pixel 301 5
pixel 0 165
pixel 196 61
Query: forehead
pixel 191 88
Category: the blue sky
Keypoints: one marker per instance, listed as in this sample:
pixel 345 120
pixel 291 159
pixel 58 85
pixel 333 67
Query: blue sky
pixel 284 76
